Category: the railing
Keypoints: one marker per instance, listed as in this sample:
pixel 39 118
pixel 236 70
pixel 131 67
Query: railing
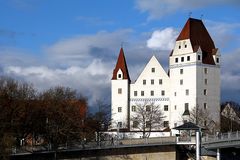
pixel 222 137
pixel 98 145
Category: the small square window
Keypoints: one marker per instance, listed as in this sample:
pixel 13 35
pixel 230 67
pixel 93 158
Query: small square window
pixel 179 47
pixel 119 109
pixel 148 124
pixel 120 124
pixel 144 82
pixel 165 124
pixel 142 93
pixel 135 93
pixel 185 46
pixel 186 106
pixel 133 108
pixel 187 92
pixel 175 107
pixel 119 90
pixel 152 81
pixel 199 57
pixel 181 82
pixel 165 107
pixel 205 81
pixel 163 93
pixel 182 59
pixel 205 71
pixel 205 92
pixel 160 81
pixel 205 105
pixel 135 124
pixel 217 60
pixel 181 71
pixel 148 108
pixel 152 93
pixel 153 70
pixel 176 60
pixel 175 94
pixel 188 58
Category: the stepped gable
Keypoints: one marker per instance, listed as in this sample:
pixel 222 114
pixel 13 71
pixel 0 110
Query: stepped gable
pixel 195 30
pixel 121 64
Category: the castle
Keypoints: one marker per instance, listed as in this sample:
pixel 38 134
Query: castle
pixel 193 80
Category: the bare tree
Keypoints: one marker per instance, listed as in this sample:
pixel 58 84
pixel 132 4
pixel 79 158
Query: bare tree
pixel 202 118
pixel 147 117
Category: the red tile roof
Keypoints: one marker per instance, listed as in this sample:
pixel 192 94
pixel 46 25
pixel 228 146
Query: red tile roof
pixel 121 64
pixel 195 30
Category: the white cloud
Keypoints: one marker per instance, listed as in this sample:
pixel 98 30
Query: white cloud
pixel 163 39
pixel 159 8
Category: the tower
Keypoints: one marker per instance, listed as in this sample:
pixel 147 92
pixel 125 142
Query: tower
pixel 194 66
pixel 120 94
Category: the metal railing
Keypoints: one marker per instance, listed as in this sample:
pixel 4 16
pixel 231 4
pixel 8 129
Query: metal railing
pixel 222 137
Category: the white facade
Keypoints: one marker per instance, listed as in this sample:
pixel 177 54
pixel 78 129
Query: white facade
pixel 193 80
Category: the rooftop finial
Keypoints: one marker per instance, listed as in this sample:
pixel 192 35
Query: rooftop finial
pixel 190 14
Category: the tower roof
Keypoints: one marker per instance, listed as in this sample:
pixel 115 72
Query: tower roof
pixel 195 30
pixel 121 64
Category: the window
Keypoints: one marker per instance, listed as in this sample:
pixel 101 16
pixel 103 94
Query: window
pixel 181 71
pixel 135 124
pixel 187 92
pixel 119 124
pixel 148 108
pixel 119 109
pixel 152 81
pixel 133 108
pixel 153 70
pixel 175 107
pixel 163 93
pixel 206 81
pixel 217 60
pixel 185 46
pixel 182 59
pixel 165 124
pixel 175 94
pixel 135 93
pixel 179 47
pixel 144 81
pixel 205 105
pixel 205 92
pixel 181 82
pixel 119 90
pixel 199 57
pixel 176 60
pixel 119 76
pixel 165 107
pixel 152 93
pixel 186 106
pixel 188 58
pixel 142 93
pixel 148 124
pixel 160 81
pixel 205 71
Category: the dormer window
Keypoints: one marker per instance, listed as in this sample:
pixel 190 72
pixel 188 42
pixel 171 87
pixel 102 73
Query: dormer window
pixel 217 60
pixel 199 57
pixel 119 75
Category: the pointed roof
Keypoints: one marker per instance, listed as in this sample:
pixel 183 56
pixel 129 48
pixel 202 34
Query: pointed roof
pixel 188 126
pixel 121 64
pixel 195 30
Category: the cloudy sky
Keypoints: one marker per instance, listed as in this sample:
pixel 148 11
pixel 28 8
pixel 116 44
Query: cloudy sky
pixel 76 43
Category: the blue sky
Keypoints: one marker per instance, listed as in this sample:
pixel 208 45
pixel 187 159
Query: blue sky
pixel 75 43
